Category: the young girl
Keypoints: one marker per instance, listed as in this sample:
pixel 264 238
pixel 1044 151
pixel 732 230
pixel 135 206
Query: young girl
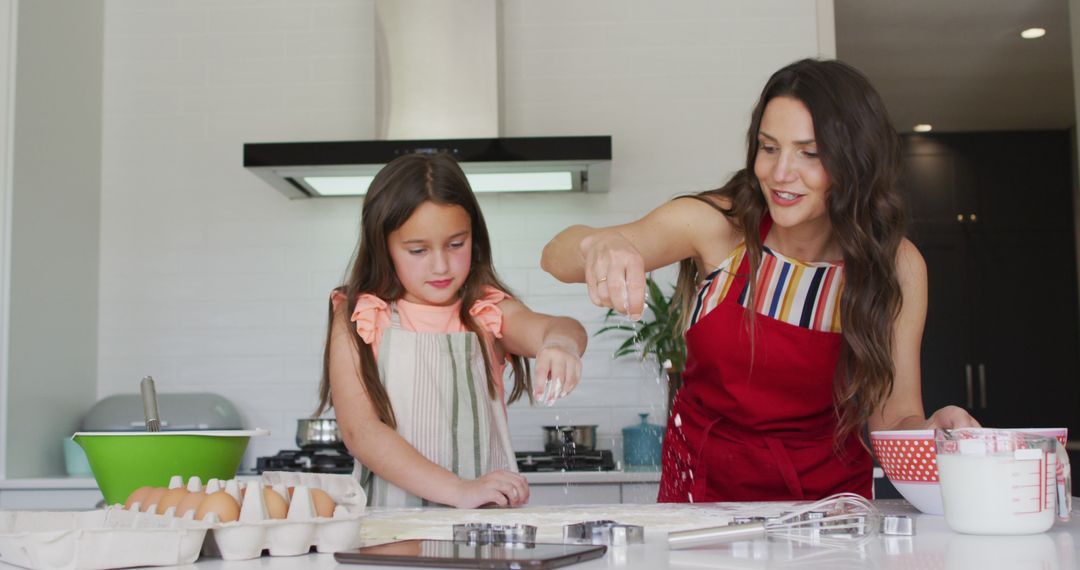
pixel 418 340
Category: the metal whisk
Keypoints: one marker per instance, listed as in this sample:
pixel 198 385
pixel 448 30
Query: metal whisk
pixel 838 520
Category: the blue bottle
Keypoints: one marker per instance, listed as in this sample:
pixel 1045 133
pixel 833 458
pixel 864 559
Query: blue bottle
pixel 642 443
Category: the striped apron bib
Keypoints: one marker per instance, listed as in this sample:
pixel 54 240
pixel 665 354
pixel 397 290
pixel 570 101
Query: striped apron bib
pixel 437 386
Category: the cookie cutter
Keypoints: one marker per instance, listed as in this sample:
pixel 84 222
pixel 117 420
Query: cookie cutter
pixel 498 534
pixel 897 525
pixel 603 532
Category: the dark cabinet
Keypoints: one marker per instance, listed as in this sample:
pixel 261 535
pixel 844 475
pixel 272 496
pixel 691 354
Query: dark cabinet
pixel 992 215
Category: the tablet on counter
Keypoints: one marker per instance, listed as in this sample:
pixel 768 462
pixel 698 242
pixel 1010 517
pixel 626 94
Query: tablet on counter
pixel 450 554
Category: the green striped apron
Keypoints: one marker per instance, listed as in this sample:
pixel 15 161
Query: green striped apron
pixel 438 389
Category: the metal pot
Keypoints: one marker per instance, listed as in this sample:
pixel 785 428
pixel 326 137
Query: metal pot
pixel 319 432
pixel 558 439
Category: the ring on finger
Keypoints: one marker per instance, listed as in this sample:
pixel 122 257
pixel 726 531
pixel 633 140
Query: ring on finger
pixel 601 280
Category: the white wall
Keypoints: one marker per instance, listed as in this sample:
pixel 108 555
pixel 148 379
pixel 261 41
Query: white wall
pixel 55 196
pixel 211 280
pixel 8 37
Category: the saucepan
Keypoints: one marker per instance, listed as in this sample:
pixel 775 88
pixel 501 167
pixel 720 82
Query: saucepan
pixel 318 432
pixel 556 437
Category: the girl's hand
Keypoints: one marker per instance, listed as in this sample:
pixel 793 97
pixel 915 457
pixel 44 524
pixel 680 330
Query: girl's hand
pixel 614 273
pixel 501 488
pixel 558 371
pixel 951 417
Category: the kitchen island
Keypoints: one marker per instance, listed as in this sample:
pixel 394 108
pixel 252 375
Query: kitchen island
pixel 934 546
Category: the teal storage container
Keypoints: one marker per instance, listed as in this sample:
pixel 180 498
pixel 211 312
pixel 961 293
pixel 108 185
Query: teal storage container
pixel 642 443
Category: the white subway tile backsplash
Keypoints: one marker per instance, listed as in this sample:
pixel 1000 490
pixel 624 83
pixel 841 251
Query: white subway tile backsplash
pixel 224 370
pixel 510 253
pixel 256 45
pixel 306 369
pixel 125 18
pixel 331 97
pixel 223 260
pixel 555 12
pixel 266 72
pixel 524 418
pixel 213 281
pixel 231 98
pixel 804 10
pixel 148 47
pixel 615 393
pixel 541 283
pixel 322 43
pixel 230 19
pixel 187 127
pixel 145 100
pixel 357 16
pixel 121 374
pixel 276 125
pixel 125 76
pixel 333 69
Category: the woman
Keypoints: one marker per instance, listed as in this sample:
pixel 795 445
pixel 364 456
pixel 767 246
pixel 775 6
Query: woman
pixel 810 235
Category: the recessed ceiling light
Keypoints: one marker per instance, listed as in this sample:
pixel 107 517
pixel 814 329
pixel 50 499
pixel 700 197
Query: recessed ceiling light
pixel 1032 33
pixel 923 128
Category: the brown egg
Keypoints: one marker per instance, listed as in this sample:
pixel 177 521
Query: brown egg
pixel 153 498
pixel 137 496
pixel 171 498
pixel 220 503
pixel 190 502
pixel 324 505
pixel 276 507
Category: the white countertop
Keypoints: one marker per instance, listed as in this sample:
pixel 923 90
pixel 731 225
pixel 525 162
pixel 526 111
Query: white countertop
pixel 592 477
pixel 534 478
pixel 933 546
pixel 49 483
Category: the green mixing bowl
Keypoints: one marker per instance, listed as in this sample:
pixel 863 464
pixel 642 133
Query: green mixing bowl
pixel 125 461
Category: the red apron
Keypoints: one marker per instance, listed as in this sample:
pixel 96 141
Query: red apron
pixel 760 429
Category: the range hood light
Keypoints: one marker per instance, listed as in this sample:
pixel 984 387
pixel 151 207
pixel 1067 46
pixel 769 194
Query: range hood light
pixel 339 185
pixel 480 182
pixel 345 168
pixel 522 182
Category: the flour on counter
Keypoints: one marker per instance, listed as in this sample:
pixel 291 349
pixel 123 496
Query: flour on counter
pixel 398 524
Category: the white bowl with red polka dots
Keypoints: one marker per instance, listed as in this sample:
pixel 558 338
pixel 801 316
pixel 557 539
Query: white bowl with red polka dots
pixel 910 462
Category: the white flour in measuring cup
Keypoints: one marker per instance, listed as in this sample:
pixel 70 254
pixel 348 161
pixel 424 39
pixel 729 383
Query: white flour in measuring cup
pixel 1002 481
pixel 998 494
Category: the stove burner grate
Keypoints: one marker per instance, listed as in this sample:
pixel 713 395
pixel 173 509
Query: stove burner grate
pixel 311 460
pixel 542 461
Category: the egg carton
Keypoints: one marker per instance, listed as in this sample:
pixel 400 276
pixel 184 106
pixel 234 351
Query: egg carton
pixel 92 540
pixel 297 533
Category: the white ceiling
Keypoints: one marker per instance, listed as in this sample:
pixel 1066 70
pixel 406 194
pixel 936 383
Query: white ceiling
pixel 961 65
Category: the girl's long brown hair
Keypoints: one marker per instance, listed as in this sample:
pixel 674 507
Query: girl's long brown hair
pixel 860 151
pixel 395 193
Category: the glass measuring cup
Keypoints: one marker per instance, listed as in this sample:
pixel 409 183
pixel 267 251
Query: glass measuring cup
pixel 997 481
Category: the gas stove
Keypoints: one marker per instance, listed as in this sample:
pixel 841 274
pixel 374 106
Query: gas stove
pixel 309 459
pixel 544 461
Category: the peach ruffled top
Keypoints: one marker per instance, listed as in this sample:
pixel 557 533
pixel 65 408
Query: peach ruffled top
pixel 372 315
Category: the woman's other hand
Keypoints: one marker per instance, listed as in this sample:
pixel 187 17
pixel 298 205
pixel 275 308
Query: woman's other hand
pixel 500 488
pixel 558 371
pixel 614 273
pixel 951 417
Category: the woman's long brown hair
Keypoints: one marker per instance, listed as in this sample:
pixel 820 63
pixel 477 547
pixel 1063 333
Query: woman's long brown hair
pixel 395 193
pixel 860 151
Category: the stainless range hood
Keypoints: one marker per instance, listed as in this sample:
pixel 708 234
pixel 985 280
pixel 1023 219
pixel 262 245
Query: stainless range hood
pixel 344 168
pixel 437 91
